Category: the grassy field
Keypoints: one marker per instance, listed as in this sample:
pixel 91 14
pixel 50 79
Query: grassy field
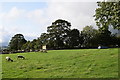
pixel 82 63
pixel 0 67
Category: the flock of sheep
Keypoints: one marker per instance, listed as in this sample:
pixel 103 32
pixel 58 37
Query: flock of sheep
pixel 19 56
pixel 22 57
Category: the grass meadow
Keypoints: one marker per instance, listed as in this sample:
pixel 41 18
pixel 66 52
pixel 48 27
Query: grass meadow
pixel 76 63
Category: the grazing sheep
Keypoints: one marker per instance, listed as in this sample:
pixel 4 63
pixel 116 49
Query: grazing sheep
pixel 9 59
pixel 22 57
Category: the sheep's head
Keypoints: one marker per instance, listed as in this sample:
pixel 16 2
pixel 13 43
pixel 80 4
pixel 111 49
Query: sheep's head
pixel 11 60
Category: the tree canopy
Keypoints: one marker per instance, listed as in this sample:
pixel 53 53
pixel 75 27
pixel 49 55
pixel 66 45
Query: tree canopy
pixel 60 36
pixel 17 42
pixel 57 33
pixel 108 14
pixel 89 33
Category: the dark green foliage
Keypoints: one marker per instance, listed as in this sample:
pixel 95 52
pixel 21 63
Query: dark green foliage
pixel 43 39
pixel 57 33
pixel 33 44
pixel 17 42
pixel 89 34
pixel 26 46
pixel 105 38
pixel 59 36
pixel 108 14
pixel 118 41
pixel 73 39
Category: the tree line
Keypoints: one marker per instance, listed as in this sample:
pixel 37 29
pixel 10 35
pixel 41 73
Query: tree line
pixel 60 35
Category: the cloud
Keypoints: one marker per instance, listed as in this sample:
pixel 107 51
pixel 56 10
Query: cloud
pixel 22 21
pixel 4 35
pixel 56 0
pixel 32 23
pixel 0 34
pixel 37 16
pixel 12 15
pixel 79 14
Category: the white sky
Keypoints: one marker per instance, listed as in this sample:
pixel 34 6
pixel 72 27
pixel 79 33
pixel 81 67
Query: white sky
pixel 32 18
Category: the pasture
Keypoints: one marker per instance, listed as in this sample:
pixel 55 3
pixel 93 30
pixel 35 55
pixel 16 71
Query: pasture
pixel 79 63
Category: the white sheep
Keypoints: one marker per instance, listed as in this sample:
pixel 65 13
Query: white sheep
pixel 9 59
pixel 22 57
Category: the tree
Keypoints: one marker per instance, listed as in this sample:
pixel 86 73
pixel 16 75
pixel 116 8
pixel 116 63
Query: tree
pixel 33 45
pixel 38 45
pixel 26 46
pixel 104 38
pixel 57 33
pixel 118 41
pixel 43 39
pixel 73 39
pixel 17 42
pixel 108 14
pixel 89 33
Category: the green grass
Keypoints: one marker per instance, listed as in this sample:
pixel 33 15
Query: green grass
pixel 82 63
pixel 0 67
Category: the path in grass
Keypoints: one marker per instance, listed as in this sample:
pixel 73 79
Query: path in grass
pixel 82 63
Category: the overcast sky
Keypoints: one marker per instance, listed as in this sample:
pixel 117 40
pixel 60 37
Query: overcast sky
pixel 32 18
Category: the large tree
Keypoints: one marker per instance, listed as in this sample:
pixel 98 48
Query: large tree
pixel 108 14
pixel 73 39
pixel 89 33
pixel 57 33
pixel 17 42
